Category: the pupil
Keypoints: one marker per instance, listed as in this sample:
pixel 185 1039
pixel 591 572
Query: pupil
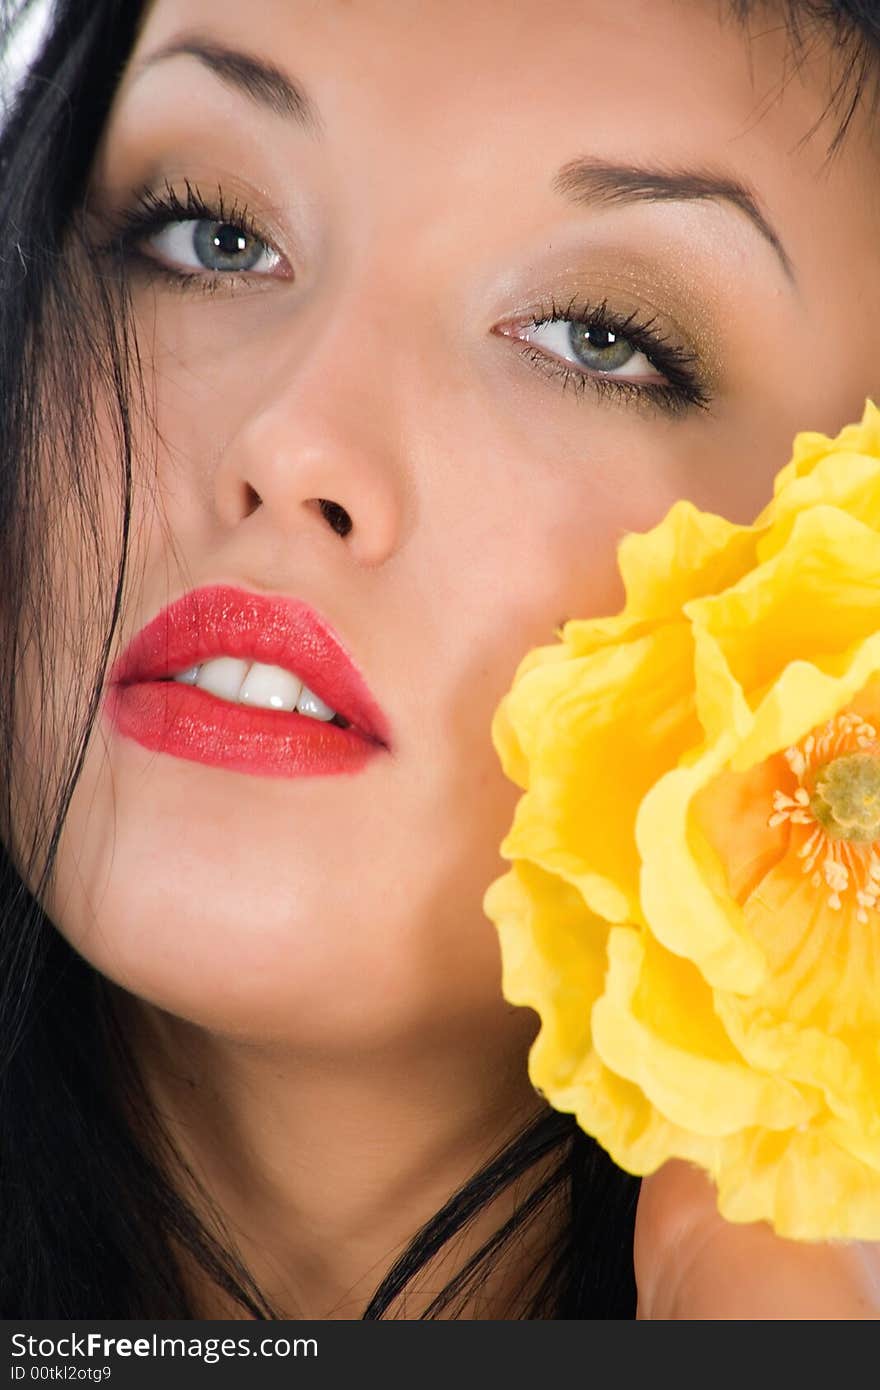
pixel 601 338
pixel 229 240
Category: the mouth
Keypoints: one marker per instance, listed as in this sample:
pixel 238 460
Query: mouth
pixel 253 681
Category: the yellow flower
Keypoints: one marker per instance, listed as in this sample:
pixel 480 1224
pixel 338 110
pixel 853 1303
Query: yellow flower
pixel 693 903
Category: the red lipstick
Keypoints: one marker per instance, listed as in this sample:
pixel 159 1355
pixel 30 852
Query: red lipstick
pixel 167 716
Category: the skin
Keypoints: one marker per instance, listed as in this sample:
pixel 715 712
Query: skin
pixel 334 1055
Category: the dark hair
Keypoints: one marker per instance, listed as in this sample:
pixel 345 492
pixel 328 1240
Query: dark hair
pixel 97 1206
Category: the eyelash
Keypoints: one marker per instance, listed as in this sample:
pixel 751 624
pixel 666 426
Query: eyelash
pixel 683 389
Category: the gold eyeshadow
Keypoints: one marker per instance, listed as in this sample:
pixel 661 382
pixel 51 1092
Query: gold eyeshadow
pixel 631 283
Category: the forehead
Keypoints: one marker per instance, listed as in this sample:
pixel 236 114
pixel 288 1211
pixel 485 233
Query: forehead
pixel 497 96
pixel 605 69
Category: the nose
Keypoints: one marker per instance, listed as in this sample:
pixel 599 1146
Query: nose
pixel 317 452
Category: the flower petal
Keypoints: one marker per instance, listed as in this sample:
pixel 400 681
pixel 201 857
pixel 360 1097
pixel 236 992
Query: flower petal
pixel 656 1025
pixel 803 1182
pixel 684 884
pixel 811 448
pixel 815 601
pixel 553 953
pixel 688 553
pixel 586 780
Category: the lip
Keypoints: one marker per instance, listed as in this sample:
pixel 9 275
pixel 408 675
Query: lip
pixel 223 620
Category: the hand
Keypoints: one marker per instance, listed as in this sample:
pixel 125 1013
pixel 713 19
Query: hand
pixel 690 1263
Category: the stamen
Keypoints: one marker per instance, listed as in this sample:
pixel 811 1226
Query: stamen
pixel 838 794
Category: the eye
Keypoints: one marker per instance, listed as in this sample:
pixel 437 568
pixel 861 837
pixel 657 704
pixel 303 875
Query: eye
pixel 595 347
pixel 623 356
pixel 198 244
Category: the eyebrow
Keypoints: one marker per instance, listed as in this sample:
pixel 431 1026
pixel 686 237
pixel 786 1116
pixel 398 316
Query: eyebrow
pixel 592 182
pixel 260 81
pixel 585 181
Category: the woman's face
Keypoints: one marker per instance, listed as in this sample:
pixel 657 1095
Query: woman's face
pixel 434 184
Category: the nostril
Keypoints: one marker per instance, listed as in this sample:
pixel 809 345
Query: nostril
pixel 337 516
pixel 252 499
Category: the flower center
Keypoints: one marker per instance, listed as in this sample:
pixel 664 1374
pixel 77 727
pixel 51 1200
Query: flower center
pixel 837 798
pixel 846 797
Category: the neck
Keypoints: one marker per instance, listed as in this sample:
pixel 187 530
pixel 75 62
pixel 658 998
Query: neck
pixel 323 1170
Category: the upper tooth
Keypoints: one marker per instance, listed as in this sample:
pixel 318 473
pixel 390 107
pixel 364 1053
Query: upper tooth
pixel 308 703
pixel 223 676
pixel 254 683
pixel 271 687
